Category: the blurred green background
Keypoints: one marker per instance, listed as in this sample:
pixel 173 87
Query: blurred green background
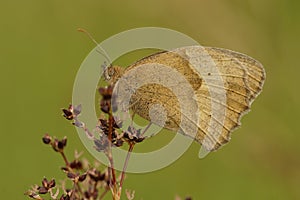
pixel 41 52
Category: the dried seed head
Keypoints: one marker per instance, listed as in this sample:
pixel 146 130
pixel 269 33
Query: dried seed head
pixel 133 135
pixel 42 190
pixel 77 110
pixel 59 145
pixel 118 142
pixel 76 164
pixel 96 175
pixel 105 106
pixel 106 92
pixel 72 112
pixel 46 186
pixel 65 169
pixel 65 197
pixel 33 195
pixel 102 143
pixel 68 114
pixel 47 138
pixel 71 175
pixel 51 183
pixel 82 177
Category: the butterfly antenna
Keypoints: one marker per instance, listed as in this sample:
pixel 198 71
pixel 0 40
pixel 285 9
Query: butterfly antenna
pixel 100 49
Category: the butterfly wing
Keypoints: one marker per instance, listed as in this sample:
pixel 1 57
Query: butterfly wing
pixel 224 84
pixel 237 75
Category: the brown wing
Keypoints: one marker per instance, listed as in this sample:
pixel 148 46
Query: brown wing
pixel 224 84
pixel 243 79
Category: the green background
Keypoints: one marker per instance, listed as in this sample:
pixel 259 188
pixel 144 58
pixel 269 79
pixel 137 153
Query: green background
pixel 41 52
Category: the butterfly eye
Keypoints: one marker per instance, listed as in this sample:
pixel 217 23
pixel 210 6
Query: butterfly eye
pixel 111 71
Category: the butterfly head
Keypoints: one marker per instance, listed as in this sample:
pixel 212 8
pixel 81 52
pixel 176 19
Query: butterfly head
pixel 112 73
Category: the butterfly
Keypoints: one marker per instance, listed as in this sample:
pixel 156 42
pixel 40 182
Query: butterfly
pixel 204 91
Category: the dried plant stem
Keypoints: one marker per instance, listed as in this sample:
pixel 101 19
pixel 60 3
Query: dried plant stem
pixel 131 145
pixel 88 180
pixel 110 156
pixel 95 187
pixel 112 170
pixel 65 158
pixel 104 193
pixel 146 129
pixel 77 186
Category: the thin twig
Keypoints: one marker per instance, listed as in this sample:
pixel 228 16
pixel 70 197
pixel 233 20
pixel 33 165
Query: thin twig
pixel 131 145
pixel 95 186
pixel 78 188
pixel 147 127
pixel 104 193
pixel 110 157
pixel 65 158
